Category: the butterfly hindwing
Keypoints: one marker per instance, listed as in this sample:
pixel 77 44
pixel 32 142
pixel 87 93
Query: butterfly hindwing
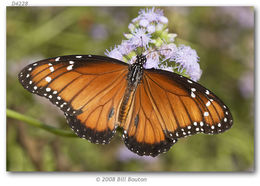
pixel 143 133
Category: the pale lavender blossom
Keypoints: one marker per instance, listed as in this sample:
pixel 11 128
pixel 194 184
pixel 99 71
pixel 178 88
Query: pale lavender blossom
pixel 194 72
pixel 160 50
pixel 159 27
pixel 152 60
pixel 187 59
pixel 150 29
pixel 168 50
pixel 151 15
pixel 143 22
pixel 140 38
pixel 166 68
pixel 115 53
pixel 163 19
pixel 126 47
pixel 131 27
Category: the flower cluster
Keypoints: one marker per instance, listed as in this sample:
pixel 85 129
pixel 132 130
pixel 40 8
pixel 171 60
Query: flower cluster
pixel 149 34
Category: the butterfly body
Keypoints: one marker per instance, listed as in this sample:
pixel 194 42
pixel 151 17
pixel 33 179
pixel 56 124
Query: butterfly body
pixel 134 77
pixel 154 107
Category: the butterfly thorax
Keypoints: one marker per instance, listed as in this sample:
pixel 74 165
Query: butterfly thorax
pixel 135 73
pixel 134 77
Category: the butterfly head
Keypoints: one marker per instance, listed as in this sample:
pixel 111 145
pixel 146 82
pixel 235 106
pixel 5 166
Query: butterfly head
pixel 141 59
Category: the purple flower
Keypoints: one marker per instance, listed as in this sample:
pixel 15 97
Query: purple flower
pixel 168 51
pixel 151 15
pixel 115 53
pixel 131 27
pixel 152 60
pixel 160 51
pixel 166 68
pixel 150 29
pixel 163 19
pixel 126 47
pixel 144 22
pixel 159 27
pixel 187 59
pixel 194 72
pixel 140 38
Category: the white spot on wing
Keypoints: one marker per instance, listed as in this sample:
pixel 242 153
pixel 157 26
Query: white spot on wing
pixel 208 103
pixel 51 69
pixel 206 114
pixel 48 79
pixel 57 59
pixel 193 95
pixel 69 67
pixel 78 56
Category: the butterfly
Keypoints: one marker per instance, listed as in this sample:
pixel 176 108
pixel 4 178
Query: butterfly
pixel 153 107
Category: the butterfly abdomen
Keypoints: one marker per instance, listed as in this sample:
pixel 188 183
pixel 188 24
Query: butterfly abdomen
pixel 134 77
pixel 125 105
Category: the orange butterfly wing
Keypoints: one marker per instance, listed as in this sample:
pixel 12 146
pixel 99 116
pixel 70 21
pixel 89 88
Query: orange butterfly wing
pixel 168 106
pixel 87 88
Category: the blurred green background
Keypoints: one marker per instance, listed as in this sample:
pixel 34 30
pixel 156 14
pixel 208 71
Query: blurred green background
pixel 224 40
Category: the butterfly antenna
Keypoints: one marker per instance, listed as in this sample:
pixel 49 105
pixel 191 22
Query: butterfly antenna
pixel 156 50
pixel 142 45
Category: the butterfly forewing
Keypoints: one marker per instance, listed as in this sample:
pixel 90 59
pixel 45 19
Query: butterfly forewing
pixel 194 108
pixel 88 89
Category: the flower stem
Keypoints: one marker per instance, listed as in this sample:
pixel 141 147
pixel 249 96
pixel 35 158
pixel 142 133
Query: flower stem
pixel 39 124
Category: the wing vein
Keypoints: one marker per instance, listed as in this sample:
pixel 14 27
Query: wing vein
pixel 153 101
pixel 116 79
